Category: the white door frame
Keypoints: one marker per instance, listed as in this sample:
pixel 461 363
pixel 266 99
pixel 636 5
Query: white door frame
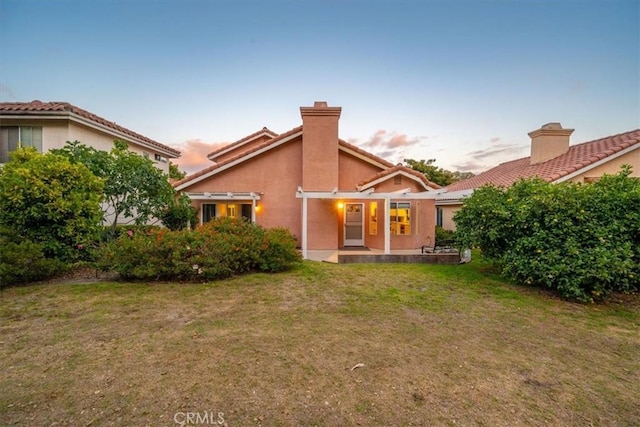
pixel 353 242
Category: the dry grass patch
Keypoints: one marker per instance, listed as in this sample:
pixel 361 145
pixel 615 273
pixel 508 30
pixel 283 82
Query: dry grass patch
pixel 440 345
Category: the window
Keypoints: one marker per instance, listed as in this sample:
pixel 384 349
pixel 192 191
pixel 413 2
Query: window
pixel 208 212
pixel 221 210
pixel 439 217
pixel 400 214
pixel 160 158
pixel 12 137
pixel 373 218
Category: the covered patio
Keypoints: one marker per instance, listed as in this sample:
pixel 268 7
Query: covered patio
pixel 366 255
pixel 369 194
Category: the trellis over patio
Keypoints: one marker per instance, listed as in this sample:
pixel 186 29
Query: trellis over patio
pixel 369 194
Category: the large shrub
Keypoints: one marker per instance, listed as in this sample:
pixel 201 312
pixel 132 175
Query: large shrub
pixel 48 200
pixel 179 214
pixel 25 261
pixel 582 240
pixel 218 249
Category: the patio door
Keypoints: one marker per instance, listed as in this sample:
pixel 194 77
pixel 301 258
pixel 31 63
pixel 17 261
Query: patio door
pixel 354 224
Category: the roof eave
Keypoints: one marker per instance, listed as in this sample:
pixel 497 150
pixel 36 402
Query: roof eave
pixel 68 115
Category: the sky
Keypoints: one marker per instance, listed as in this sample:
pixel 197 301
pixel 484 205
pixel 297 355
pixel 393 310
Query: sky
pixel 459 81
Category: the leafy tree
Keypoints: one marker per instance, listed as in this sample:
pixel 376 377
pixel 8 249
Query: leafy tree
pixel 582 240
pixel 180 215
pixel 134 188
pixel 435 174
pixel 459 176
pixel 175 172
pixel 46 199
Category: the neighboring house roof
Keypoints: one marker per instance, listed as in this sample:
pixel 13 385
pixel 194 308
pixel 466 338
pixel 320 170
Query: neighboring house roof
pixel 578 159
pixel 64 109
pixel 394 171
pixel 237 144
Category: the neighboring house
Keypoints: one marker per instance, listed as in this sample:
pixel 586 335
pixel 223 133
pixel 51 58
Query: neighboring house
pixel 48 125
pixel 327 192
pixel 552 159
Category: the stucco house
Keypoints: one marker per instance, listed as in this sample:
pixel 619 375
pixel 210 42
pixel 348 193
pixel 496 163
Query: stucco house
pixel 329 193
pixel 553 159
pixel 49 125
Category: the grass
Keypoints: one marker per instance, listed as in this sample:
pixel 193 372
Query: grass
pixel 441 345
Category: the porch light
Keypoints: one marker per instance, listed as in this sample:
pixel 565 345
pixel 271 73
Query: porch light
pixel 340 205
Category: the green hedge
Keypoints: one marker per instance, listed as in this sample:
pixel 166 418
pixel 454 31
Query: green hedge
pixel 218 249
pixel 22 262
pixel 581 240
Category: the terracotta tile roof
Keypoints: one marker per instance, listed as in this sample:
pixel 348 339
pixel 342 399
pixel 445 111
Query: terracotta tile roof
pixel 400 168
pixel 238 156
pixel 57 108
pixel 244 140
pixel 365 153
pixel 579 156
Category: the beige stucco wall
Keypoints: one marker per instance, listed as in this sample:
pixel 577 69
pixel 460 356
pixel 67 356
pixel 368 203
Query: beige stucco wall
pixel 104 141
pixel 447 216
pixel 613 166
pixel 55 134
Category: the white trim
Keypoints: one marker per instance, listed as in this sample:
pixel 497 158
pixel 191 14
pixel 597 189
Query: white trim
pixel 304 228
pixel 598 163
pixel 387 226
pixel 452 198
pixel 357 195
pixel 403 191
pixel 253 210
pixel 363 157
pixel 386 177
pixel 237 161
pixel 223 196
pixel 233 145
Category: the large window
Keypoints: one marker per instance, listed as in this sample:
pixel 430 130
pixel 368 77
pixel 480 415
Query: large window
pixel 12 137
pixel 219 210
pixel 208 212
pixel 400 214
pixel 439 216
pixel 373 218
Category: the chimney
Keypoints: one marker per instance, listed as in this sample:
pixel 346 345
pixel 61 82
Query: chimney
pixel 320 147
pixel 548 142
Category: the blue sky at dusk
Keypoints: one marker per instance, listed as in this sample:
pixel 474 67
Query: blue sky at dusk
pixel 459 81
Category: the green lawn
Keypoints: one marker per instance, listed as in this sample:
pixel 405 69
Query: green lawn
pixel 441 345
